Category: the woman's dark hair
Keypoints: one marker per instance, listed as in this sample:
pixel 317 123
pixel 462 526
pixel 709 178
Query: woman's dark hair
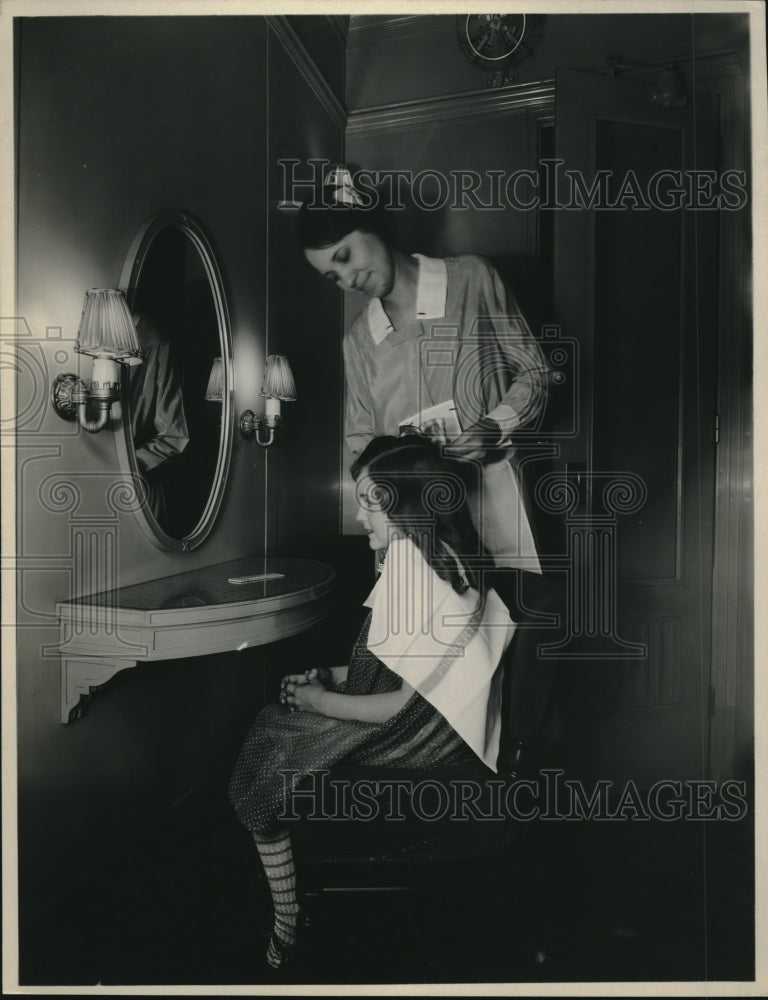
pixel 425 495
pixel 323 222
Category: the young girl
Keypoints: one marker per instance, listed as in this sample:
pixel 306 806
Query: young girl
pixel 423 684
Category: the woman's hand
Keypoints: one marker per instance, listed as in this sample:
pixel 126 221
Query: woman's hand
pixel 476 440
pixel 304 696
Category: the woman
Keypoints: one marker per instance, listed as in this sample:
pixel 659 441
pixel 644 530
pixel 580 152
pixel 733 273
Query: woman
pixel 158 420
pixel 442 345
pixel 413 695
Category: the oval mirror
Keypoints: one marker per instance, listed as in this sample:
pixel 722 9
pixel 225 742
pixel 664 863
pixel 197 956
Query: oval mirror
pixel 177 408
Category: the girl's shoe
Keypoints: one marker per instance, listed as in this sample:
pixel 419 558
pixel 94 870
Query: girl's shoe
pixel 281 957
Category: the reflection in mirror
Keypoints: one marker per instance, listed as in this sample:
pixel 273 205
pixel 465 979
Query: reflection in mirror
pixel 178 438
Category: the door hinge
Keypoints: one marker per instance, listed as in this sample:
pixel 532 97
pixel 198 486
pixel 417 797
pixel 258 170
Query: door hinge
pixel 717 428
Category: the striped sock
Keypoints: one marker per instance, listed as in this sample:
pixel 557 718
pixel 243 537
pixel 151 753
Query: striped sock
pixel 277 858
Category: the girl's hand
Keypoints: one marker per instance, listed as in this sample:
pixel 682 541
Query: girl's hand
pixel 321 674
pixel 304 697
pixel 294 679
pixel 289 682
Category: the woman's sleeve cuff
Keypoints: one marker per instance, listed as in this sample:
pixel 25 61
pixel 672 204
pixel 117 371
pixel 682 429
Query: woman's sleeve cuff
pixel 507 419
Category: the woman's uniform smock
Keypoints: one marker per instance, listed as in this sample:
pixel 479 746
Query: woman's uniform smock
pixel 472 345
pixel 158 422
pixel 302 742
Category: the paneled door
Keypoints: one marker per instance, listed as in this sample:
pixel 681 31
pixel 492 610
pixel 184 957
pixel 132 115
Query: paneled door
pixel 635 262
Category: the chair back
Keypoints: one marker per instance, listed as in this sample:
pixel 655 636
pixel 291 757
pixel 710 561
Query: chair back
pixel 536 604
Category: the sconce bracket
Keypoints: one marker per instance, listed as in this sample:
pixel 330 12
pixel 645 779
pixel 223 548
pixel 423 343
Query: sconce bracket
pixel 251 425
pixel 270 420
pixel 65 390
pixel 248 422
pixel 104 391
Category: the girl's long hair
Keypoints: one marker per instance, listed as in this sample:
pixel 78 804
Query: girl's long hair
pixel 425 495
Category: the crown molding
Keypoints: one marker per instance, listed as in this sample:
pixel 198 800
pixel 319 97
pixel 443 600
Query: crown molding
pixel 706 69
pixel 515 99
pixel 711 66
pixel 699 68
pixel 306 65
pixel 369 29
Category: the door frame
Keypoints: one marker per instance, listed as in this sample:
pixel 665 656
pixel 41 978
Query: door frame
pixel 731 701
pixel 732 674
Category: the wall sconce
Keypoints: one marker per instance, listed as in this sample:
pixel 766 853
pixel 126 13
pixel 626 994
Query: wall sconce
pixel 107 333
pixel 278 385
pixel 215 391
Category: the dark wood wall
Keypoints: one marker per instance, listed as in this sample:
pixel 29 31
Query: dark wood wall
pixel 120 118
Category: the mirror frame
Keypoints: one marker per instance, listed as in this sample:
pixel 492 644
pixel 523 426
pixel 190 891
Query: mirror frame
pixel 129 278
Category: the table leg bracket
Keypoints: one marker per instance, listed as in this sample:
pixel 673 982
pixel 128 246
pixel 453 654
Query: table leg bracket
pixel 81 678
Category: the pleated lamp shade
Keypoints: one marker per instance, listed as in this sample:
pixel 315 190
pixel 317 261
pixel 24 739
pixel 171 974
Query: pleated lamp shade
pixel 107 329
pixel 278 379
pixel 215 391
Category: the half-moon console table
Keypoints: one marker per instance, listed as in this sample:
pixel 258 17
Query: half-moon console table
pixel 189 614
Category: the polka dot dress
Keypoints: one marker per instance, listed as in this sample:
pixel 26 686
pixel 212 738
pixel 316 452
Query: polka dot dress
pixel 280 740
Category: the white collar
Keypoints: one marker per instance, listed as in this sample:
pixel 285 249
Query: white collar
pixel 431 637
pixel 431 293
